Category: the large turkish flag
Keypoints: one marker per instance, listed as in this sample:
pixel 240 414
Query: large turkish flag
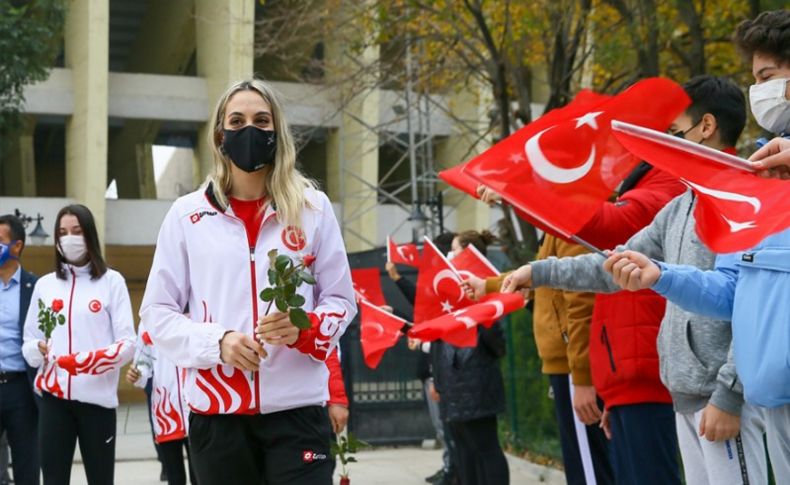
pixel 379 331
pixel 736 209
pixel 560 168
pixel 367 285
pixel 438 286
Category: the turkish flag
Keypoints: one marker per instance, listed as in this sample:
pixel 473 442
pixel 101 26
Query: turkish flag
pixel 471 262
pixel 455 177
pixel 562 167
pixel 367 285
pixel 736 209
pixel 438 286
pixel 407 254
pixel 379 331
pixel 459 328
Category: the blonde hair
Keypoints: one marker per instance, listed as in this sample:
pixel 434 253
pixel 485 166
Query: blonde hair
pixel 285 184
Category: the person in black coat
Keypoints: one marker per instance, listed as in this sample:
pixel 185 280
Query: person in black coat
pixel 472 392
pixel 18 403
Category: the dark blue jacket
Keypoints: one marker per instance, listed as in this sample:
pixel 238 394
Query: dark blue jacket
pixel 27 282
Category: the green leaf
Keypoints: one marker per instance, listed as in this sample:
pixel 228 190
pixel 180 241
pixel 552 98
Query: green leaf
pixel 296 301
pixel 299 318
pixel 272 255
pixel 272 277
pixel 307 277
pixel 40 304
pixel 268 294
pixel 281 304
pixel 289 290
pixel 61 319
pixel 282 262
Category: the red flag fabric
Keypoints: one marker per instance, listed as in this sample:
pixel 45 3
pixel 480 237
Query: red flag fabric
pixel 438 286
pixel 459 328
pixel 407 254
pixel 367 285
pixel 471 262
pixel 560 168
pixel 379 331
pixel 736 209
pixel 455 177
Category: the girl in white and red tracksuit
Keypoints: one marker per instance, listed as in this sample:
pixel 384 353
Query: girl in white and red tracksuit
pixel 78 366
pixel 256 410
pixel 169 410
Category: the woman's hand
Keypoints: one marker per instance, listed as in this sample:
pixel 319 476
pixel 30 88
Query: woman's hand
pixel 43 348
pixel 518 280
pixel 133 375
pixel 338 416
pixel 392 271
pixel 276 329
pixel 241 351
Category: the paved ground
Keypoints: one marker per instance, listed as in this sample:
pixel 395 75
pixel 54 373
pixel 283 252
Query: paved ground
pixel 136 463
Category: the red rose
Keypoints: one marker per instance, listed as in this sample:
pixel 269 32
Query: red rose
pixel 308 260
pixel 57 305
pixel 147 339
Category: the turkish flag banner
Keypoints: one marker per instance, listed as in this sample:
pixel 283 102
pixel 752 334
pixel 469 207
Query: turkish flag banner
pixel 459 328
pixel 562 167
pixel 406 254
pixel 367 285
pixel 438 286
pixel 471 262
pixel 379 331
pixel 736 209
pixel 455 177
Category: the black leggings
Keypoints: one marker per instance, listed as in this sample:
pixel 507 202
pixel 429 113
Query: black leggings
pixel 173 460
pixel 480 458
pixel 60 423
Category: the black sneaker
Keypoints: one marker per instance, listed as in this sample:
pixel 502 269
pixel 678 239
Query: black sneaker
pixel 436 477
pixel 163 475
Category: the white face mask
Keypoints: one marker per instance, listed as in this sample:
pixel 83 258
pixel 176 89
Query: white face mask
pixel 450 255
pixel 769 106
pixel 72 248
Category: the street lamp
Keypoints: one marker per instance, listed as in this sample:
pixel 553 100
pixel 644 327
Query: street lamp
pixel 39 235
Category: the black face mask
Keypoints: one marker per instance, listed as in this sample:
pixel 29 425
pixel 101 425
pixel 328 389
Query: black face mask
pixel 682 134
pixel 250 148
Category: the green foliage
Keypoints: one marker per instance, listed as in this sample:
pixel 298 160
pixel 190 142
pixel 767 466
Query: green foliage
pixel 286 277
pixel 49 318
pixel 344 448
pixel 30 31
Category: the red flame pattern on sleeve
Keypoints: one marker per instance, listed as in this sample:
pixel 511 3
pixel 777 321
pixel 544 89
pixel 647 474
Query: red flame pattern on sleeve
pixel 96 362
pixel 48 381
pixel 168 420
pixel 316 341
pixel 226 393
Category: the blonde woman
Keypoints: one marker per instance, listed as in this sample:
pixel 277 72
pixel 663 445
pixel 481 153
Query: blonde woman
pixel 256 384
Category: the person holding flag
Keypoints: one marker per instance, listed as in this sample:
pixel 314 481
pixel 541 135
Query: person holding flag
pixel 750 286
pixel 709 405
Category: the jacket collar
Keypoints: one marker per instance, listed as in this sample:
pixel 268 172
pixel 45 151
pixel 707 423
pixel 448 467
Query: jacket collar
pixel 212 199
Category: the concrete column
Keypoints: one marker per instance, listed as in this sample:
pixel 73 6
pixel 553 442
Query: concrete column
pixel 164 45
pixel 87 42
pixel 353 149
pixel 19 166
pixel 470 105
pixel 224 33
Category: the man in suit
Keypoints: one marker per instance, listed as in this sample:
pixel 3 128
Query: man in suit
pixel 18 407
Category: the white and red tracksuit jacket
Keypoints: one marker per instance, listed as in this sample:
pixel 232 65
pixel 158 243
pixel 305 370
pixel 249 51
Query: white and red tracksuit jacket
pixel 87 352
pixel 203 262
pixel 168 407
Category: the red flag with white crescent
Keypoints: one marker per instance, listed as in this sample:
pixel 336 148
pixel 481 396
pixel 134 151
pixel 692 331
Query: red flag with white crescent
pixel 367 285
pixel 459 328
pixel 379 331
pixel 470 261
pixel 560 168
pixel 736 209
pixel 438 286
pixel 406 254
pixel 455 177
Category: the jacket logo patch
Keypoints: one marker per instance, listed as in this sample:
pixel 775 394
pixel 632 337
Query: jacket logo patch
pixel 293 238
pixel 197 216
pixel 747 257
pixel 94 306
pixel 311 456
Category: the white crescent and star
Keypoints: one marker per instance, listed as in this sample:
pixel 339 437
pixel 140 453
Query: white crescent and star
pixel 735 226
pixel 447 274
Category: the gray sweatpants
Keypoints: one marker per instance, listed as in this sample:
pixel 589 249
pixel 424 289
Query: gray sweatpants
pixel 719 462
pixel 777 430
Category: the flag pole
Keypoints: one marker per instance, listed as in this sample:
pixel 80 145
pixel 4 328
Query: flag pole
pixel 587 245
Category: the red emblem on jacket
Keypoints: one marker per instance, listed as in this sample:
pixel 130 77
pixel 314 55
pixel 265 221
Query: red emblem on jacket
pixel 293 238
pixel 94 306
